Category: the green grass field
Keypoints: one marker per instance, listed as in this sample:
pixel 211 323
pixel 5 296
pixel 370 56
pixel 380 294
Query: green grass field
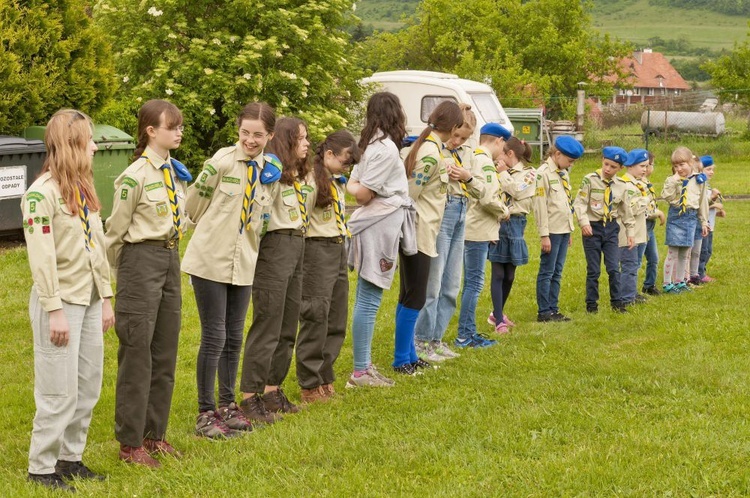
pixel 652 403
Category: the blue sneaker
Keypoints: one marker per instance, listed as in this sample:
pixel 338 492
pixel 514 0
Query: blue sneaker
pixel 670 289
pixel 475 341
pixel 683 287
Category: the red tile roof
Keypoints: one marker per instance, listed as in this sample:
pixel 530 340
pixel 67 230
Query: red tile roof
pixel 645 68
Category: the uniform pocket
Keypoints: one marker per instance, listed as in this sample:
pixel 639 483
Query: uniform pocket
pixel 597 203
pixel 229 197
pixel 51 371
pixel 132 330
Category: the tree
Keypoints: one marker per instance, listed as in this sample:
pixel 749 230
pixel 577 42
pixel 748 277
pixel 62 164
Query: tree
pixel 211 57
pixel 528 50
pixel 730 74
pixel 51 56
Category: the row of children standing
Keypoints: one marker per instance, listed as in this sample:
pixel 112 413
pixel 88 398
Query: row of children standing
pixel 267 227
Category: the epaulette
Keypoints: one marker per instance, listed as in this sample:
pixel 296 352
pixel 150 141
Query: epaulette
pixel 479 152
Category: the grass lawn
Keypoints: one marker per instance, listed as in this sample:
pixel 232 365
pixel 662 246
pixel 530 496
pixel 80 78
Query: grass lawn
pixel 654 402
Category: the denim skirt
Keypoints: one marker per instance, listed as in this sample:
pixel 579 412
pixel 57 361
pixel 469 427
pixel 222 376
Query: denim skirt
pixel 511 247
pixel 681 227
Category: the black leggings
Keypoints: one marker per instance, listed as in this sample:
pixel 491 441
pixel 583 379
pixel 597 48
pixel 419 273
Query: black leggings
pixel 414 272
pixel 503 275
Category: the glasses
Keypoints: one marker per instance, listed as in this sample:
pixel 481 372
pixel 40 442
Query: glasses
pixel 256 136
pixel 179 128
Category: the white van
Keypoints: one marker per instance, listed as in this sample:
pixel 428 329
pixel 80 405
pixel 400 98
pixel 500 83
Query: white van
pixel 421 91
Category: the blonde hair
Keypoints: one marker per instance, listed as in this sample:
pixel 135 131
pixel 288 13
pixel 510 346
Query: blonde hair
pixel 697 165
pixel 682 155
pixel 67 139
pixel 470 119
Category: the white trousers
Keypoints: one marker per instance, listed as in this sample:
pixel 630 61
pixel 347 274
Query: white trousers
pixel 67 383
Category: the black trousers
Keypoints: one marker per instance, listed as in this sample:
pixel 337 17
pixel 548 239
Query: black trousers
pixel 414 272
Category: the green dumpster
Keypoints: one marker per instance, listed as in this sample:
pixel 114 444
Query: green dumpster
pixel 115 152
pixel 21 162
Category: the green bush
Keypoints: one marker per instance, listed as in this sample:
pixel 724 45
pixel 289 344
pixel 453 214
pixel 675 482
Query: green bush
pixel 51 56
pixel 210 58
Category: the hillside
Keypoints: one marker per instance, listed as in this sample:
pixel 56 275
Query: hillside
pixel 633 20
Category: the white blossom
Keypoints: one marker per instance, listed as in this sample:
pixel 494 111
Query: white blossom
pixel 216 41
pixel 155 12
pixel 125 79
pixel 168 91
pixel 212 111
pixel 208 70
pixel 247 76
pixel 172 36
pixel 354 7
pixel 290 76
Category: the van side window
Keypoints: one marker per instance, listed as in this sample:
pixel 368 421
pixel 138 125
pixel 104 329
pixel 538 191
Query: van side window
pixel 430 102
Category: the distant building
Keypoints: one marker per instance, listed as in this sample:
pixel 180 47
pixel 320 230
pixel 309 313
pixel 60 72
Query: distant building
pixel 652 77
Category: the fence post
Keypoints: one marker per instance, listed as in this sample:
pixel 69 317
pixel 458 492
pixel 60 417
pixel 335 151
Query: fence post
pixel 648 125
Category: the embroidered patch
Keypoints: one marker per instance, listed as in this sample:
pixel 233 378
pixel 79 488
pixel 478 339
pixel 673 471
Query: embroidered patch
pixel 429 161
pixel 582 193
pixel 203 177
pixel 210 169
pixel 597 190
pixel 45 229
pixel 585 180
pixel 293 214
pixel 124 194
pixel 385 265
pixel 154 186
pixel 489 168
pixel 162 209
pixel 129 182
pixel 45 220
pixel 32 207
pixel 307 189
pixel 427 168
pixel 230 179
pixel 489 178
pixel 554 182
pixel 540 192
pixel 328 214
pixel 31 229
pixel 34 196
pixel 288 192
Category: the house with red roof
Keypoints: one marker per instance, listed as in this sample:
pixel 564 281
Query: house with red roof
pixel 652 78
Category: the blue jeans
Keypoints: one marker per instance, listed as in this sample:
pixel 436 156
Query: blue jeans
pixel 707 250
pixel 630 261
pixel 550 273
pixel 651 251
pixel 475 256
pixel 366 305
pixel 445 274
pixel 603 242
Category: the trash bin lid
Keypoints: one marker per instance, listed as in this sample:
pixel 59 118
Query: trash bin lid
pixel 16 145
pixel 105 133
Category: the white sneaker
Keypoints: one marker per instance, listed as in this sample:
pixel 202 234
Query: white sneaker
pixel 368 379
pixel 426 352
pixel 441 348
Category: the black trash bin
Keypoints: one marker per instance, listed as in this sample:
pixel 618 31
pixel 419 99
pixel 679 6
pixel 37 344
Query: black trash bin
pixel 21 162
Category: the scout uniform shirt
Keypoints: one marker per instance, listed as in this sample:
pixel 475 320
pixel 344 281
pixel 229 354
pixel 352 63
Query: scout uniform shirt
pixel 696 195
pixel 141 209
pixel 652 212
pixel 552 202
pixel 589 204
pixel 65 266
pixel 284 210
pixel 462 157
pixel 323 222
pixel 517 185
pixel 487 208
pixel 637 195
pixel 428 187
pixel 219 250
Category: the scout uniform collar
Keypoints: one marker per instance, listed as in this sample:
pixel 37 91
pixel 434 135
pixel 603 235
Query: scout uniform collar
pixel 153 158
pixel 482 150
pixel 601 177
pixel 519 166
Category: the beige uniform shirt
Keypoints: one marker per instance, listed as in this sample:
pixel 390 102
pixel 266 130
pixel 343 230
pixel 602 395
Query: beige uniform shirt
pixel 637 195
pixel 61 267
pixel 589 203
pixel 284 210
pixel 696 195
pixel 141 209
pixel 487 209
pixel 518 184
pixel 464 160
pixel 323 220
pixel 652 211
pixel 552 209
pixel 428 187
pixel 217 250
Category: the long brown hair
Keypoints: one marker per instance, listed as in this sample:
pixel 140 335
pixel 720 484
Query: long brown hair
pixel 284 145
pixel 67 139
pixel 258 111
pixel 337 142
pixel 444 118
pixel 384 113
pixel 521 149
pixel 150 115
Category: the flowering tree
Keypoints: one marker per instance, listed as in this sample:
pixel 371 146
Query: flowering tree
pixel 211 57
pixel 51 56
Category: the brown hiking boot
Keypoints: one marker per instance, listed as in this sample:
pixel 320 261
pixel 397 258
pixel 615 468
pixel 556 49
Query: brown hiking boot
pixel 255 410
pixel 138 456
pixel 314 395
pixel 233 418
pixel 160 447
pixel 329 390
pixel 277 402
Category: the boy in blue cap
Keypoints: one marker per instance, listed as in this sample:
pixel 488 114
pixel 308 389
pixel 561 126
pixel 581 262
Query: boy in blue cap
pixel 553 211
pixel 639 198
pixel 600 201
pixel 715 208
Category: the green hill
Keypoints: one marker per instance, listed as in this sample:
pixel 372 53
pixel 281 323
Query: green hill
pixel 636 21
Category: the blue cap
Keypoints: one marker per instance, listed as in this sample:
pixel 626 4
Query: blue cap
pixel 636 156
pixel 495 130
pixel 569 146
pixel 616 154
pixel 707 161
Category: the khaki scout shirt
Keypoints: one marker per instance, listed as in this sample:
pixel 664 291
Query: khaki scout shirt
pixel 518 183
pixel 323 220
pixel 486 210
pixel 61 267
pixel 589 203
pixel 464 154
pixel 638 196
pixel 551 208
pixel 652 211
pixel 428 187
pixel 217 250
pixel 696 195
pixel 141 209
pixel 285 208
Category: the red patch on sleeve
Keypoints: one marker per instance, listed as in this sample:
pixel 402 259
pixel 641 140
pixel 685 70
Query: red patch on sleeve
pixel 31 221
pixel 45 229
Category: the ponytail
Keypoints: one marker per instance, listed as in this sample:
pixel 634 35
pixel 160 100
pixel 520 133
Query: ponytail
pixel 520 149
pixel 337 142
pixel 444 118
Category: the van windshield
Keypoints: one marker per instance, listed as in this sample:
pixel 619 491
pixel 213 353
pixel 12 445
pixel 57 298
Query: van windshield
pixel 488 107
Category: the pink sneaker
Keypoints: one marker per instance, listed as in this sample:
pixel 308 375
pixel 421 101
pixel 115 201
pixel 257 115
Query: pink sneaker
pixel 706 279
pixel 507 321
pixel 502 328
pixel 491 319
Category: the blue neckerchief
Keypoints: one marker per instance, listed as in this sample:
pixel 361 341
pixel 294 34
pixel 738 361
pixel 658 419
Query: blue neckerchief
pixel 271 169
pixel 340 178
pixel 700 178
pixel 408 140
pixel 181 171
